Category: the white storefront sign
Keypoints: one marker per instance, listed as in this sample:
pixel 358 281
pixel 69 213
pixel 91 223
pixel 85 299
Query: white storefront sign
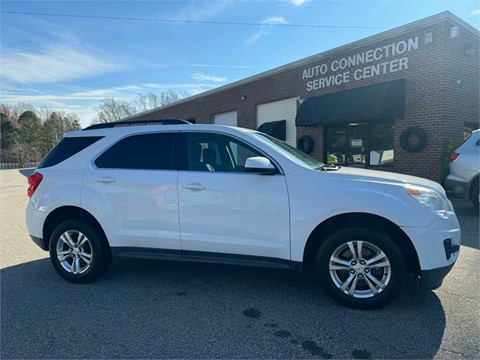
pixel 342 73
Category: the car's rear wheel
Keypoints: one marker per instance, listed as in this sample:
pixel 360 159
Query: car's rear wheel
pixel 78 253
pixel 360 267
pixel 476 197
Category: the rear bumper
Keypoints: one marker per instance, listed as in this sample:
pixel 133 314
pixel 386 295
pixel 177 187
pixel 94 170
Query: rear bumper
pixel 433 279
pixel 35 220
pixel 456 186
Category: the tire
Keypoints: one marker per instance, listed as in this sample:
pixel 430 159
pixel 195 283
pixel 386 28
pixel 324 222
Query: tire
pixel 386 281
pixel 306 144
pixel 405 137
pixel 79 264
pixel 475 197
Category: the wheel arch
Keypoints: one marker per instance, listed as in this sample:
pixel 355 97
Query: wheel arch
pixel 371 221
pixel 65 213
pixel 471 187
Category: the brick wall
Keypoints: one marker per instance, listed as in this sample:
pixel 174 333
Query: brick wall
pixel 462 86
pixel 434 100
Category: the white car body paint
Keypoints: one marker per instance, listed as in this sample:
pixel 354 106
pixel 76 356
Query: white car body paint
pixel 243 214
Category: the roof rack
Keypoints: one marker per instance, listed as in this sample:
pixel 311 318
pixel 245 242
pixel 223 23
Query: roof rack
pixel 137 123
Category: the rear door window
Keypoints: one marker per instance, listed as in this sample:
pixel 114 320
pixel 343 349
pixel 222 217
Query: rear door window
pixel 66 148
pixel 144 151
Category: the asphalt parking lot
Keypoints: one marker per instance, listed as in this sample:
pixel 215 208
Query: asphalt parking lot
pixel 147 309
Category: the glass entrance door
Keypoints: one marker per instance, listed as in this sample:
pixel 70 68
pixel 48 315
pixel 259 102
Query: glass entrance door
pixel 347 144
pixel 337 145
pixel 357 144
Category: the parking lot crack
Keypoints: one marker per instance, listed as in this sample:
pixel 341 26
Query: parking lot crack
pixel 462 354
pixel 455 294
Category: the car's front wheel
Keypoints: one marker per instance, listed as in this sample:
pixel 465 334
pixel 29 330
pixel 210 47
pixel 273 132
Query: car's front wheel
pixel 77 252
pixel 360 267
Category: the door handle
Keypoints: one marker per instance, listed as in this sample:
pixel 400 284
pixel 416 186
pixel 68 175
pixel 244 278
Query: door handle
pixel 194 186
pixel 106 180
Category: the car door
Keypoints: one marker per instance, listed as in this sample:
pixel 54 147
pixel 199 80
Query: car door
pixel 225 210
pixel 132 189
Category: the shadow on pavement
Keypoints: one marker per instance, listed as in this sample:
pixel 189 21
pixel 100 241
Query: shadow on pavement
pixel 148 309
pixel 26 172
pixel 469 222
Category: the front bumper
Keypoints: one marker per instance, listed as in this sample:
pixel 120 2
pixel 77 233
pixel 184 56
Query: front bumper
pixel 40 242
pixel 433 279
pixel 437 247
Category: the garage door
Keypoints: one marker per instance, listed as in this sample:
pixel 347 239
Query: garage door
pixel 227 118
pixel 280 110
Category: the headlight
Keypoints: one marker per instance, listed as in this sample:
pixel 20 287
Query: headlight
pixel 429 198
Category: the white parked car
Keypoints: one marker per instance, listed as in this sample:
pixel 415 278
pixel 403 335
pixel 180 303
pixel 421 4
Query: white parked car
pixel 464 170
pixel 236 196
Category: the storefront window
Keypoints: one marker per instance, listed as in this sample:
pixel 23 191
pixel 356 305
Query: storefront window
pixel 337 141
pixel 360 144
pixel 381 143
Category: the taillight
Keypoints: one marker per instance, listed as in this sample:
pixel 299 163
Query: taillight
pixel 33 181
pixel 454 156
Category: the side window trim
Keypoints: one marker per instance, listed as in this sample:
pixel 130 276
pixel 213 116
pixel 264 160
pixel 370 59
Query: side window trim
pixel 183 155
pixel 175 151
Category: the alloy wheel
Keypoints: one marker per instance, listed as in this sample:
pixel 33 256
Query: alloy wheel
pixel 360 269
pixel 74 252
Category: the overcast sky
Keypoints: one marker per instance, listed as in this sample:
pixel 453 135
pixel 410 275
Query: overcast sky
pixel 71 63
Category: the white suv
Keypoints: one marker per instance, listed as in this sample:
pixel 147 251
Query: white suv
pixel 464 166
pixel 236 196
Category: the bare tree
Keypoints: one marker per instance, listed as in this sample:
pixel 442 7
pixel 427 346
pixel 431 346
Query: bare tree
pixel 145 102
pixel 171 96
pixel 111 109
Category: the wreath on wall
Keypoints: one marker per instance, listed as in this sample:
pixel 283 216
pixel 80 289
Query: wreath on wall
pixel 406 137
pixel 306 144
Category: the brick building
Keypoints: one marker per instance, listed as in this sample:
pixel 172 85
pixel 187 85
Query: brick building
pixel 389 102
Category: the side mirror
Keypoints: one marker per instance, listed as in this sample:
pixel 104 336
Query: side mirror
pixel 260 165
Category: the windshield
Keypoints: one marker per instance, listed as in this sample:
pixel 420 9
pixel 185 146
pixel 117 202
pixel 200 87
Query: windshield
pixel 297 156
